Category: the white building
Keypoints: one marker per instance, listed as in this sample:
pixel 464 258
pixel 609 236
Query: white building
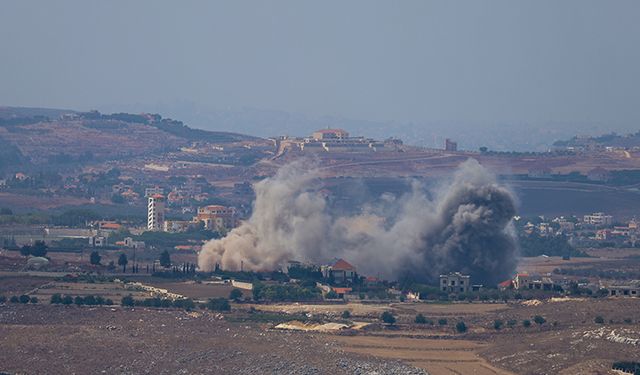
pixel 155 212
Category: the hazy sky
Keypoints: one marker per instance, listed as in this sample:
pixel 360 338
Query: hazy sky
pixel 487 61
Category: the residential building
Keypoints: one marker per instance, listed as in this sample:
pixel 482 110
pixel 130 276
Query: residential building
pixel 216 217
pixel 332 134
pixel 598 218
pixel 340 271
pixel 155 212
pixel 450 145
pixel 149 192
pixel 631 289
pixel 177 226
pixel 455 282
pixel 524 281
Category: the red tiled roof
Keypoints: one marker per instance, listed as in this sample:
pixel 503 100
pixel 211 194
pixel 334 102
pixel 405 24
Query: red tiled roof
pixel 342 265
pixel 341 290
pixel 505 284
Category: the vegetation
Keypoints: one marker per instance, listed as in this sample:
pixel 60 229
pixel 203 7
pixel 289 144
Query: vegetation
pixel 123 261
pixel 420 319
pixel 165 259
pixel 235 294
pixel 599 320
pixel 497 324
pixel 38 249
pixel 539 320
pixel 461 327
pixel 95 258
pixel 24 298
pixel 218 304
pixel 526 323
pixel 388 318
pixel 442 321
pixel 275 292
pixel 346 314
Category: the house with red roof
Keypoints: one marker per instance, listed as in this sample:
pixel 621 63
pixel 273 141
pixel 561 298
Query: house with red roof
pixel 340 271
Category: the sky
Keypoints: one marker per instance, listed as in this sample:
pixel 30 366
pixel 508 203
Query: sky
pixel 519 63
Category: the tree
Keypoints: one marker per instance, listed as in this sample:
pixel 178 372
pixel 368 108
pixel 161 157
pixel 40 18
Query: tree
pixel 420 319
pixel 497 324
pixel 25 250
pixel 78 301
pixel 218 304
pixel 39 249
pixel 33 299
pixel 461 327
pixel 14 299
pixel 3 299
pixel 95 258
pixel 331 295
pixel 165 259
pixel 539 319
pixel 127 300
pixel 346 314
pixel 24 298
pixel 483 149
pixel 526 323
pixel 388 318
pixel 122 261
pixel 67 300
pixel 442 321
pixel 599 319
pixel 235 294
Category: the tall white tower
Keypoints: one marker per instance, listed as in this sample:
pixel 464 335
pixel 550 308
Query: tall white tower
pixel 155 212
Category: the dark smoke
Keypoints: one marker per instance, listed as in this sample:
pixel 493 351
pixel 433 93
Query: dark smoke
pixel 466 228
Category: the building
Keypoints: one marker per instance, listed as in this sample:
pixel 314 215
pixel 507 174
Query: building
pixel 524 281
pixel 97 241
pixel 598 218
pixel 155 212
pixel 340 271
pixel 331 134
pixel 216 217
pixel 630 290
pixel 455 282
pixel 148 192
pixel 177 226
pixel 130 243
pixel 450 145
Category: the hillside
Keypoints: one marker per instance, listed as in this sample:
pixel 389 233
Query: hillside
pixel 36 136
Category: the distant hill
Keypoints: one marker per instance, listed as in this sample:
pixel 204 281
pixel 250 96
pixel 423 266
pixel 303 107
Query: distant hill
pixel 37 136
pixel 606 140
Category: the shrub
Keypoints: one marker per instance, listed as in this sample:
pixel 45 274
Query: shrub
pixel 3 299
pixel 78 301
pixel 461 327
pixel 33 299
pixel 67 300
pixel 420 319
pixel 14 299
pixel 331 295
pixel 24 298
pixel 497 324
pixel 90 300
pixel 56 298
pixel 100 300
pixel 127 300
pixel 108 302
pixel 628 321
pixel 599 320
pixel 235 295
pixel 442 321
pixel 526 323
pixel 512 323
pixel 539 319
pixel 388 317
pixel 218 304
pixel 346 314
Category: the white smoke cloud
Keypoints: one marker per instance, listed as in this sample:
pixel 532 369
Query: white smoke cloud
pixel 463 228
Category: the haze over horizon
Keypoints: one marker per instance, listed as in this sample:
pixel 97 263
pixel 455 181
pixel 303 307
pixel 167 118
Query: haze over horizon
pixel 519 74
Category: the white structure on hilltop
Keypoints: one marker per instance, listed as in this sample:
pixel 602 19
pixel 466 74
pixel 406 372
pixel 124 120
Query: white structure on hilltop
pixel 155 212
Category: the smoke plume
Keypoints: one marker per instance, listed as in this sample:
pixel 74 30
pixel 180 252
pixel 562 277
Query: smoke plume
pixel 462 226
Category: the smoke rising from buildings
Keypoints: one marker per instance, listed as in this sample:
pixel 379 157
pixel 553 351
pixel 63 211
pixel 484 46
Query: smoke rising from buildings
pixel 461 226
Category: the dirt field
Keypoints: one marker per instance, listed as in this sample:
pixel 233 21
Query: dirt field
pixel 438 357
